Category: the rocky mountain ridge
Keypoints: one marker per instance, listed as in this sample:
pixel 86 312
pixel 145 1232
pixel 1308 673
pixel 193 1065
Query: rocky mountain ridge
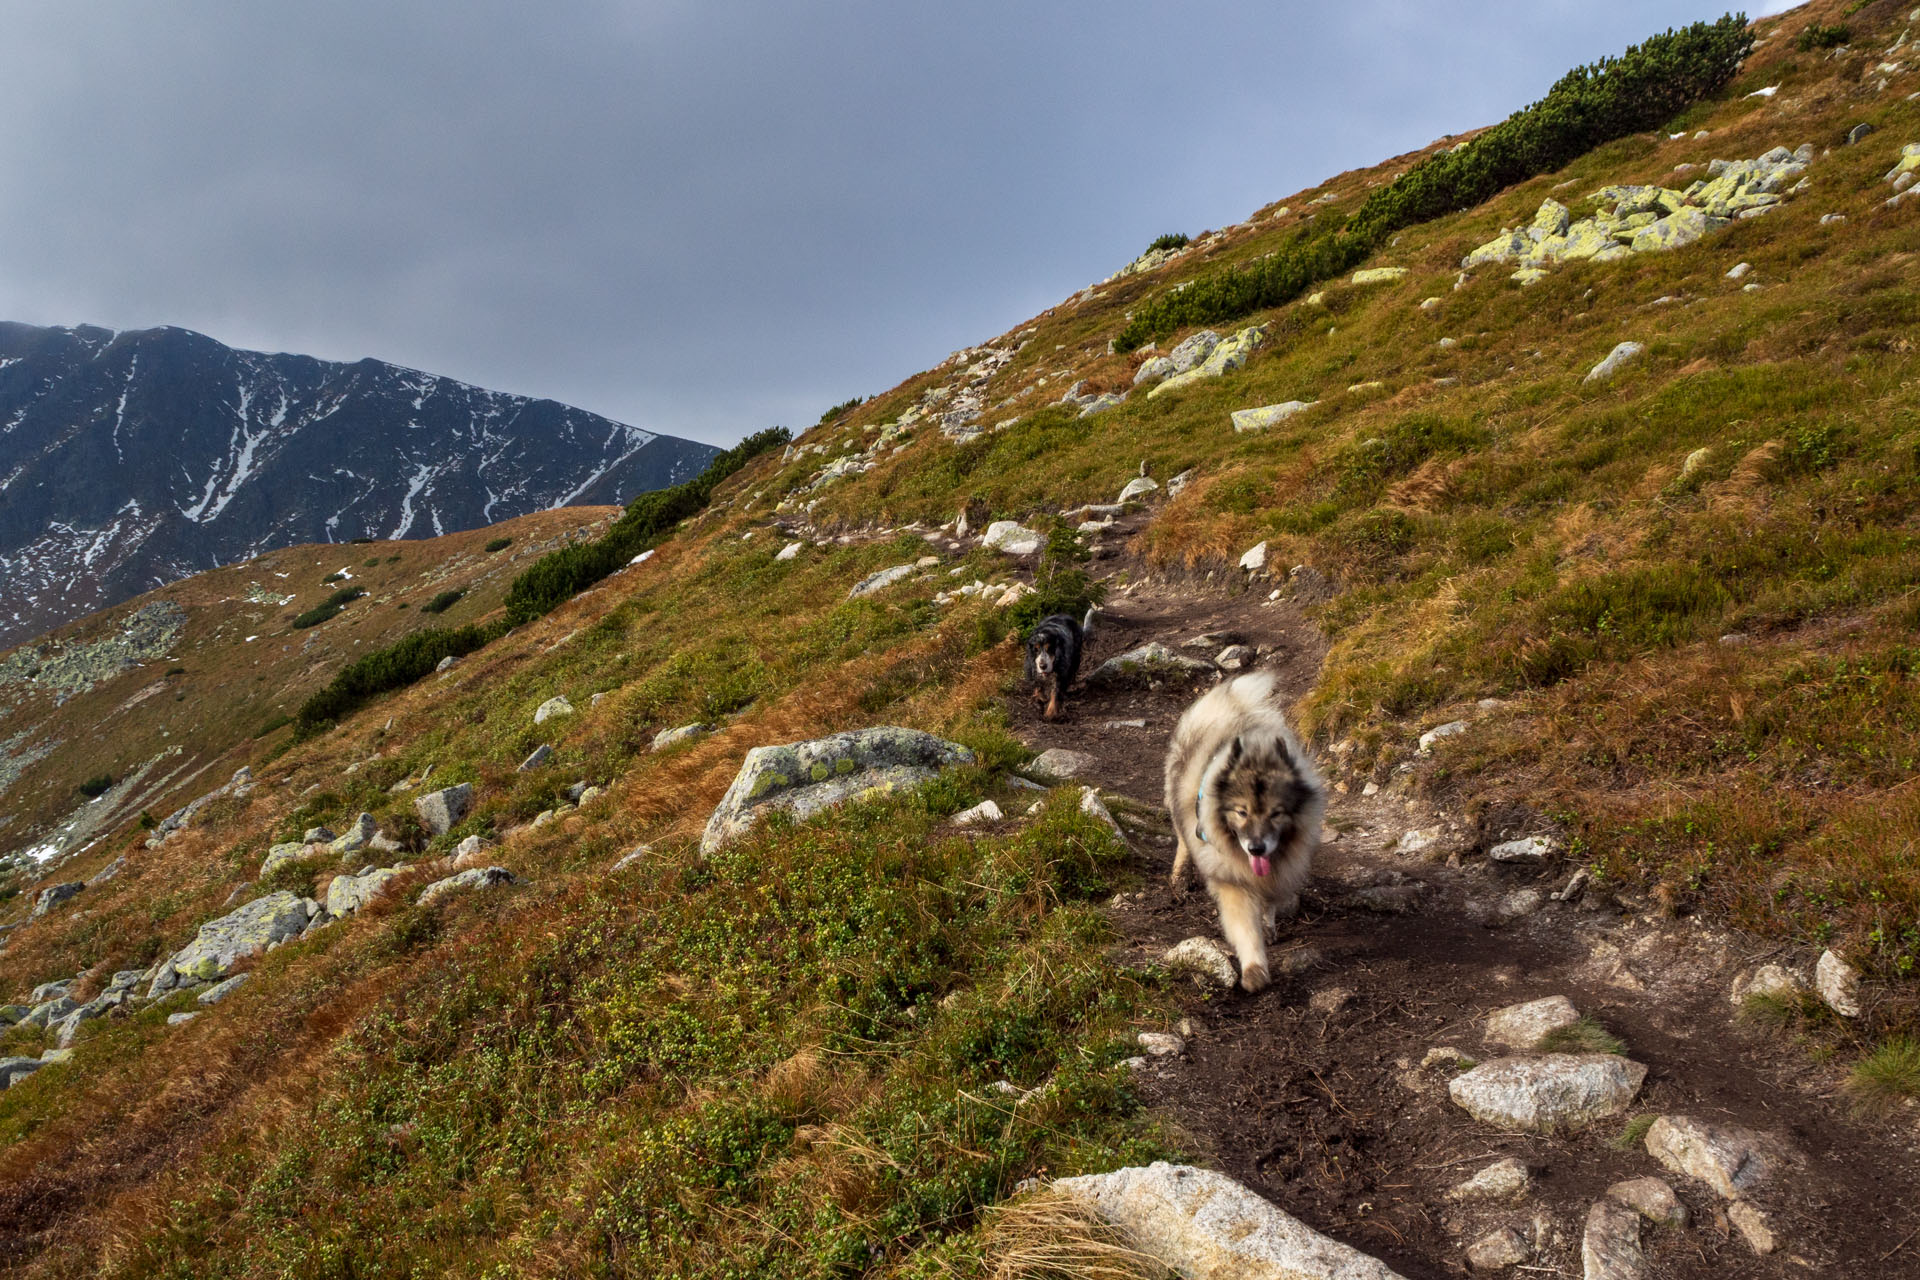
pixel 132 459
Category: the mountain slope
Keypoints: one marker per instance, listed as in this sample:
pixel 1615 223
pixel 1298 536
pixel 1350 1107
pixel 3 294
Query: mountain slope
pixel 1654 627
pixel 128 460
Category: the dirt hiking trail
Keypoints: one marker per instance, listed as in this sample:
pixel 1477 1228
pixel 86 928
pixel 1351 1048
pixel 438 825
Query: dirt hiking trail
pixel 1313 1092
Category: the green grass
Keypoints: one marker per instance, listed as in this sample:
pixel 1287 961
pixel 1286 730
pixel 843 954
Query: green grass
pixel 1888 1079
pixel 1634 1134
pixel 1584 1036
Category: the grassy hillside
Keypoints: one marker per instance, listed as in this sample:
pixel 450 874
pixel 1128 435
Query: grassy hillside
pixel 1677 607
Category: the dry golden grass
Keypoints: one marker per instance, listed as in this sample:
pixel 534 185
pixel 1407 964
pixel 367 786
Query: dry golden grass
pixel 1049 1235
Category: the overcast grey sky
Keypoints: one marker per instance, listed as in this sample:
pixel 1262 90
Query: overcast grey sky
pixel 697 216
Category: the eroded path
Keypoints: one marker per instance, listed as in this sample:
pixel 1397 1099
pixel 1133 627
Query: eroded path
pixel 1313 1092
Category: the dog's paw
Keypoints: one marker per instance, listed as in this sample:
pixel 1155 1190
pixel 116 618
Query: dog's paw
pixel 1254 979
pixel 1180 885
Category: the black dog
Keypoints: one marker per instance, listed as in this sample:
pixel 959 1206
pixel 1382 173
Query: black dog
pixel 1053 659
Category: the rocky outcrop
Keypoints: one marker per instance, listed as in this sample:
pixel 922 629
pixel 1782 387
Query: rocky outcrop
pixel 1221 359
pixel 874 583
pixel 1268 415
pixel 802 778
pixel 53 895
pixel 243 932
pixel 356 837
pixel 1206 1226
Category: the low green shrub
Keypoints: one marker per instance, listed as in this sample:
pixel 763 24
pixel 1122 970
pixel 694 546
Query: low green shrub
pixel 1171 240
pixel 498 544
pixel 327 609
pixel 442 602
pixel 98 785
pixel 1823 37
pixel 845 406
pixel 385 669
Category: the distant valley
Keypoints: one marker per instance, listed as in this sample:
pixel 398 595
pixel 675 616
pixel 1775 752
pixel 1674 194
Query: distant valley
pixel 132 459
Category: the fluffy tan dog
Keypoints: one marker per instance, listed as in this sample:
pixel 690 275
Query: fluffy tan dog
pixel 1246 804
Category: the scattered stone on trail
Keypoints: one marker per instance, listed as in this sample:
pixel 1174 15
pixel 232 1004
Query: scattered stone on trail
pixel 1296 961
pixel 1161 1044
pixel 1260 419
pixel 357 837
pixel 1388 899
pixel 1452 728
pixel 1094 807
pixel 1525 849
pixel 1235 657
pixel 1518 905
pixel 1330 1000
pixel 1204 959
pixel 881 580
pixel 347 894
pixel 1616 358
pixel 1652 1199
pixel 803 778
pixel 1769 980
pixel 1136 488
pixel 540 755
pixel 472 878
pixel 246 931
pixel 443 810
pixel 685 733
pixel 1610 1248
pixel 1727 1159
pixel 985 811
pixel 1143 665
pixel 1255 559
pixel 556 706
pixel 1524 1026
pixel 1379 275
pixel 1753 1226
pixel 1418 840
pixel 1058 763
pixel 1839 984
pixel 1206 1226
pixel 1505 1182
pixel 53 895
pixel 1011 538
pixel 220 991
pixel 1445 1055
pixel 1500 1248
pixel 1548 1094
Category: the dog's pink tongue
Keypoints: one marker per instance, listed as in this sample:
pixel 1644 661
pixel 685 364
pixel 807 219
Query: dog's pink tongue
pixel 1260 865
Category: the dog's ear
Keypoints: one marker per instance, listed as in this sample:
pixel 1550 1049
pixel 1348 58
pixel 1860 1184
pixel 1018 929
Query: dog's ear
pixel 1233 752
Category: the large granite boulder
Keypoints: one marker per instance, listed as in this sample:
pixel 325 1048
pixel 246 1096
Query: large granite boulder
pixel 443 810
pixel 243 932
pixel 802 778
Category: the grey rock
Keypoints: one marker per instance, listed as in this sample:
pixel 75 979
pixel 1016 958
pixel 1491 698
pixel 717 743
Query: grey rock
pixel 1101 403
pixel 556 706
pixel 1059 763
pixel 1192 351
pixel 1858 132
pixel 1451 729
pixel 685 733
pixel 1525 849
pixel 48 1012
pixel 1548 1094
pixel 1388 899
pixel 1523 1026
pixel 1518 905
pixel 445 809
pixel 124 981
pixel 348 893
pixel 50 1056
pixel 1615 360
pixel 1255 558
pixel 468 850
pixel 1610 1247
pixel 1234 657
pixel 246 931
pixel 1769 980
pixel 1726 1158
pixel 1011 538
pixel 472 878
pixel 1754 1227
pixel 877 582
pixel 1094 807
pixel 1161 1044
pixel 10 1014
pixel 50 991
pixel 632 859
pixel 985 811
pixel 1203 958
pixel 180 1019
pixel 1147 663
pixel 1179 483
pixel 1652 1199
pixel 1500 1248
pixel 69 1026
pixel 1155 370
pixel 1206 1226
pixel 280 855
pixel 1137 488
pixel 539 756
pixel 109 871
pixel 356 838
pixel 1503 1182
pixel 803 778
pixel 1839 984
pixel 220 991
pixel 53 895
pixel 1260 419
pixel 317 835
pixel 13 1070
pixel 576 792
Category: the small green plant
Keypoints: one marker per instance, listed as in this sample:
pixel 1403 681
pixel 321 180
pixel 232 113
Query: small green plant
pixel 147 821
pixel 498 544
pixel 1887 1078
pixel 373 563
pixel 96 786
pixel 1823 37
pixel 442 602
pixel 1584 1036
pixel 327 609
pixel 1171 240
pixel 1635 1132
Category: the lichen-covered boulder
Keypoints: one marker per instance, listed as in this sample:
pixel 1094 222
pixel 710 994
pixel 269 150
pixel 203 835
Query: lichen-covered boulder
pixel 1227 356
pixel 347 894
pixel 1192 351
pixel 879 581
pixel 443 810
pixel 1268 415
pixel 245 931
pixel 357 837
pixel 1379 275
pixel 802 778
pixel 1157 369
pixel 53 895
pixel 472 878
pixel 552 707
pixel 1011 538
pixel 280 855
pixel 13 1070
pixel 685 733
